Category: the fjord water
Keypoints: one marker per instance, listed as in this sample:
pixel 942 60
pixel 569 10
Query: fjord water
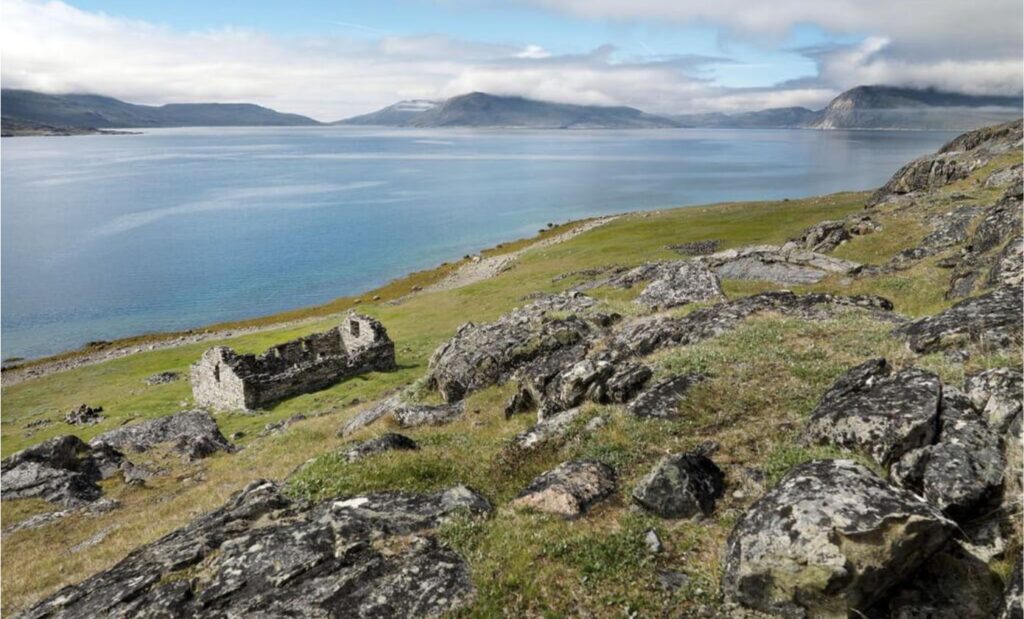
pixel 110 236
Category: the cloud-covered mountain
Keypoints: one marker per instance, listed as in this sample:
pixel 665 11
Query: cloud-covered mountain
pixel 99 112
pixel 885 107
pixel 397 114
pixel 479 109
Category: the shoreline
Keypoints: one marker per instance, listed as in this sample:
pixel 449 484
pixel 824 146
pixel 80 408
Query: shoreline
pixel 445 276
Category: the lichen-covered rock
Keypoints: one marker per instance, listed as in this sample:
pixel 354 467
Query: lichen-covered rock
pixel 478 356
pixel 84 415
pixel 963 468
pixel 782 265
pixel 265 555
pixel 992 320
pixel 997 394
pixel 414 415
pixel 63 469
pixel 643 335
pixel 882 412
pixel 681 486
pixel 828 541
pixel 682 283
pixel 389 441
pixel 194 434
pixel 661 399
pixel 569 489
pixel 822 237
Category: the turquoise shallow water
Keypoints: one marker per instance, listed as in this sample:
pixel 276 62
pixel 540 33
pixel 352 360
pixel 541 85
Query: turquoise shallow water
pixel 109 236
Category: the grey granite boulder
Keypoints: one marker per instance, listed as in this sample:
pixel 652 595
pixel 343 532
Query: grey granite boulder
pixel 194 434
pixel 478 356
pixel 963 469
pixel 661 399
pixel 681 486
pixel 63 469
pixel 991 320
pixel 997 395
pixel 265 555
pixel 877 410
pixel 829 541
pixel 550 429
pixel 389 441
pixel 568 490
pixel 822 237
pixel 681 283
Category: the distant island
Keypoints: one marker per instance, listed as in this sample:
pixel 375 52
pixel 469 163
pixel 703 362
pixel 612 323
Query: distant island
pixel 27 112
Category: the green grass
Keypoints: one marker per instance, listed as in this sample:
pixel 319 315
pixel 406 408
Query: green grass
pixel 763 379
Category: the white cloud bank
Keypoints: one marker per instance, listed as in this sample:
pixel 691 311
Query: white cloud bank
pixel 54 47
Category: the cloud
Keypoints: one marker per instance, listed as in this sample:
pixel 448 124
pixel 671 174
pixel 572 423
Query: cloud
pixel 54 47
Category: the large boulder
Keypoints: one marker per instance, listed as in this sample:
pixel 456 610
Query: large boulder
pixel 822 237
pixel 266 555
pixel 992 320
pixel 829 541
pixel 963 469
pixel 478 356
pixel 681 486
pixel 682 283
pixel 569 489
pixel 63 469
pixel 880 411
pixel 194 434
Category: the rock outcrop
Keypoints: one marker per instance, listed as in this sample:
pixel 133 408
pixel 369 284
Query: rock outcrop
pixel 681 486
pixel 413 415
pixel 568 490
pixel 954 161
pixel 879 411
pixel 829 541
pixel 778 264
pixel 997 395
pixel 264 554
pixel 478 356
pixel 63 469
pixel 992 321
pixel 84 415
pixel 193 434
pixel 643 335
pixel 681 283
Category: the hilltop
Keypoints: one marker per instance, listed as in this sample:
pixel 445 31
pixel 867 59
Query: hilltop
pixel 791 407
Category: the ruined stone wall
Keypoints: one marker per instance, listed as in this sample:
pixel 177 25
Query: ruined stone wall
pixel 222 379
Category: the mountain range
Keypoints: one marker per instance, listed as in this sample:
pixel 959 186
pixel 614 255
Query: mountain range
pixel 863 107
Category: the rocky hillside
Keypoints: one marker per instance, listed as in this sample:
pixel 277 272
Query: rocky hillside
pixel 804 408
pixel 887 107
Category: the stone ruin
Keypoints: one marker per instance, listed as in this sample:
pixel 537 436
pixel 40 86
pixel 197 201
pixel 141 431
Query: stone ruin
pixel 225 380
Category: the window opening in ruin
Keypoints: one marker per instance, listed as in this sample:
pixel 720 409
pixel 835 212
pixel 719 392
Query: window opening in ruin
pixel 353 328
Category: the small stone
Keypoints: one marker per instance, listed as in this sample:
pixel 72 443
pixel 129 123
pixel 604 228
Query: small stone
pixel 653 542
pixel 681 486
pixel 568 490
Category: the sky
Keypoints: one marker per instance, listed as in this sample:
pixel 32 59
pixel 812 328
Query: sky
pixel 331 60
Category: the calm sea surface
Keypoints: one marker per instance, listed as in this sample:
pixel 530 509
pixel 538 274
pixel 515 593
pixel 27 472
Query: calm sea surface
pixel 109 236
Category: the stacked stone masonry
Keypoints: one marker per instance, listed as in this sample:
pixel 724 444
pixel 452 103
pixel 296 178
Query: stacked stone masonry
pixel 225 380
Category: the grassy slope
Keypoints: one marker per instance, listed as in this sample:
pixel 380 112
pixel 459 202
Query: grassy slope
pixel 765 377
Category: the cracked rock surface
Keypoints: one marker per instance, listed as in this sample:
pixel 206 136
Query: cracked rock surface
pixel 265 555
